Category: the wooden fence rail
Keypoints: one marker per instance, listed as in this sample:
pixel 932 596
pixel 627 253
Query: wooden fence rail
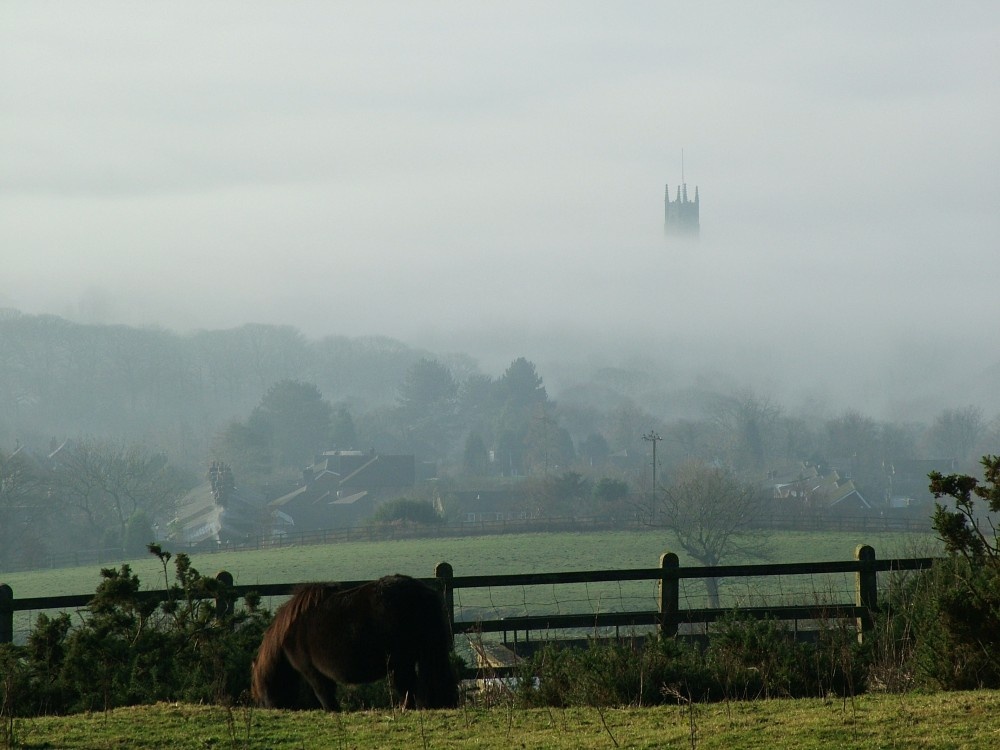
pixel 667 617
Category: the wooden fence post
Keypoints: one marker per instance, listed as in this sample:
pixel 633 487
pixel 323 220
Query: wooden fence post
pixel 223 604
pixel 669 603
pixel 444 573
pixel 6 614
pixel 866 589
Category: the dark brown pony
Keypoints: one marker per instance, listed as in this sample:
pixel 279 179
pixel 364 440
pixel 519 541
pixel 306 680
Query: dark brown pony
pixel 328 634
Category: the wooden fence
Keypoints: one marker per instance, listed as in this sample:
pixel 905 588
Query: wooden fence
pixel 666 618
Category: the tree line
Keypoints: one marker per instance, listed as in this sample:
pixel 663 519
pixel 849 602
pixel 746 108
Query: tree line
pixel 140 414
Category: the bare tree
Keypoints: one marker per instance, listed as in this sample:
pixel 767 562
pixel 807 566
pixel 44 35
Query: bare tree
pixel 956 433
pixel 713 515
pixel 105 483
pixel 747 425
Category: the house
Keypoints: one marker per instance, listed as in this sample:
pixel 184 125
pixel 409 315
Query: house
pixel 342 488
pixel 216 512
pixel 810 487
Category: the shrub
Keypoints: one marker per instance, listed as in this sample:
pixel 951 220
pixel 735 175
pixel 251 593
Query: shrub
pixel 407 511
pixel 745 659
pixel 842 665
pixel 961 603
pixel 764 659
pixel 132 648
pixel 943 627
pixel 15 693
pixel 45 652
pixel 947 638
pixel 758 659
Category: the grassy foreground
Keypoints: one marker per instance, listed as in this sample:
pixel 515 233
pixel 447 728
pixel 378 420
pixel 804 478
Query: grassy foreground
pixel 943 720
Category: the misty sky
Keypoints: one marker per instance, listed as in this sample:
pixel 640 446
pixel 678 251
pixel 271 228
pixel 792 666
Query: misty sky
pixel 486 175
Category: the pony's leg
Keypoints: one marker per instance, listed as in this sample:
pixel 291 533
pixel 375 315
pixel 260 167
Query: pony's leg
pixel 438 688
pixel 327 693
pixel 324 688
pixel 404 683
pixel 437 684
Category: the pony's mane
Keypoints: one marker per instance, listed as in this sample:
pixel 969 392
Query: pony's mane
pixel 305 597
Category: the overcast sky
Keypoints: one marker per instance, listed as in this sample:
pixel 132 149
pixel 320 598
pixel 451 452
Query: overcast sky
pixel 495 171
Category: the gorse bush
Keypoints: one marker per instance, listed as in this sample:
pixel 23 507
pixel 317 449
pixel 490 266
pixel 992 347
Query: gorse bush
pixel 625 673
pixel 743 659
pixel 132 648
pixel 945 637
pixel 941 629
pixel 758 659
pixel 764 659
pixel 956 610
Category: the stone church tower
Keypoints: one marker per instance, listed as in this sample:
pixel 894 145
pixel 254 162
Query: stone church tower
pixel 680 216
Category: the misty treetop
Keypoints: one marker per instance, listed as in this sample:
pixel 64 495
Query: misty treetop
pixel 295 419
pixel 427 386
pixel 521 385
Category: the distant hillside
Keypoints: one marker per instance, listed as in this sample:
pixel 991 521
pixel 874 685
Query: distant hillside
pixel 59 378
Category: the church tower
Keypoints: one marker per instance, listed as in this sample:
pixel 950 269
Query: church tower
pixel 680 216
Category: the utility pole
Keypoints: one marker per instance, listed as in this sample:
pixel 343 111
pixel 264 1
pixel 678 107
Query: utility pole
pixel 546 420
pixel 653 437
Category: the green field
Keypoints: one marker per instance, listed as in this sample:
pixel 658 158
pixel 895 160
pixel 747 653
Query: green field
pixel 505 554
pixel 944 720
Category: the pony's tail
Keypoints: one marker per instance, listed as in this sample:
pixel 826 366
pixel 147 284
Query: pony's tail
pixel 274 683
